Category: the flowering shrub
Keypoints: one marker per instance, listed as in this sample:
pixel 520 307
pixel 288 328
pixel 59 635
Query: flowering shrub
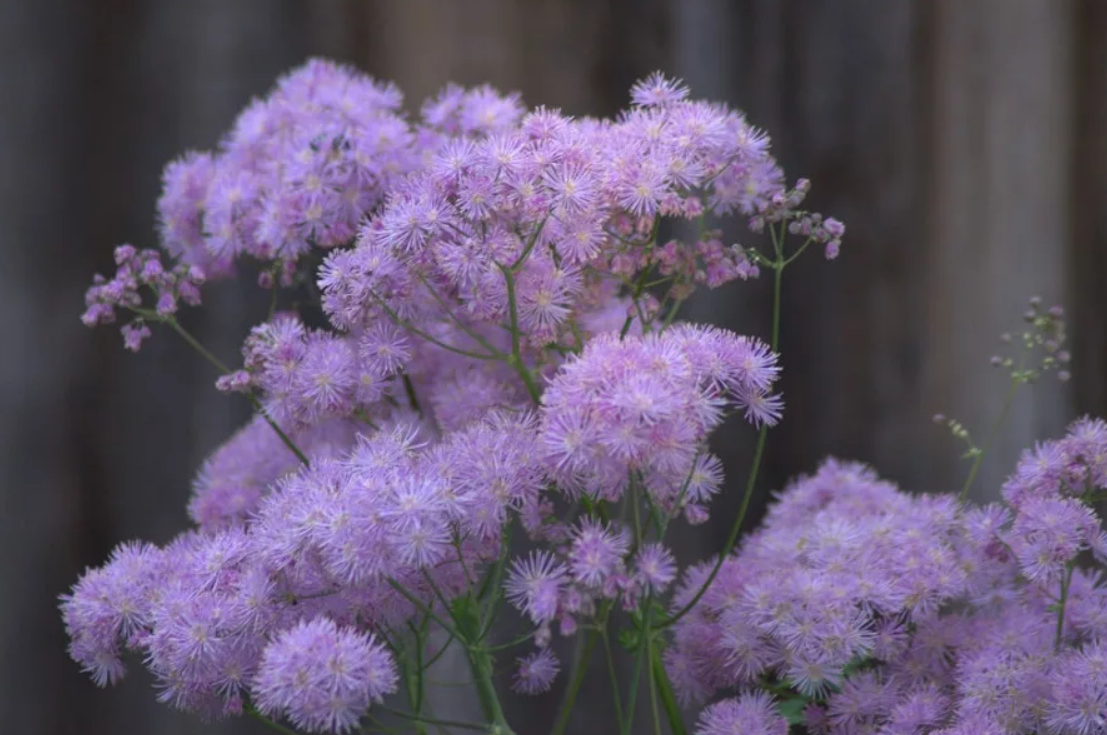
pixel 473 333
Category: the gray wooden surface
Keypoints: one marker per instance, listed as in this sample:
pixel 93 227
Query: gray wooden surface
pixel 964 143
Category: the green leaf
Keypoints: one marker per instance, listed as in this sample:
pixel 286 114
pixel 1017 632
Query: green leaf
pixel 792 710
pixel 629 638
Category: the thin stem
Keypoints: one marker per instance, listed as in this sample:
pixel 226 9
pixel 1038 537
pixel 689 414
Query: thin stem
pixel 632 693
pixel 441 651
pixel 671 315
pixel 433 720
pixel 640 285
pixel 424 609
pixel 992 433
pixel 413 674
pixel 652 685
pixel 480 662
pixel 613 676
pixel 668 698
pixel 280 433
pixel 515 360
pixel 207 355
pixel 437 592
pixel 401 322
pixel 580 668
pixel 462 325
pixel 415 684
pixel 271 724
pixel 1062 601
pixel 799 251
pixel 493 582
pixel 195 344
pixel 638 288
pixel 529 246
pixel 378 726
pixel 510 644
pixel 679 499
pixel 409 388
pixel 461 560
pixel 758 452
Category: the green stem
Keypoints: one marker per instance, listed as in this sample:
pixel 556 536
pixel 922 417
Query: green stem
pixel 613 676
pixel 409 388
pixel 492 584
pixel 515 360
pixel 510 644
pixel 401 322
pixel 632 692
pixel 424 609
pixel 580 668
pixel 993 432
pixel 203 351
pixel 671 315
pixel 477 337
pixel 280 432
pixel 668 517
pixel 638 288
pixel 660 679
pixel 441 651
pixel 529 246
pixel 414 673
pixel 640 284
pixel 755 467
pixel 652 685
pixel 1066 582
pixel 415 694
pixel 195 344
pixel 272 725
pixel 434 720
pixel 378 726
pixel 482 666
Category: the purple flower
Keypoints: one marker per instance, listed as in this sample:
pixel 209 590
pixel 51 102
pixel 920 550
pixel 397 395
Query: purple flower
pixel 655 567
pixel 536 672
pixel 596 554
pixel 323 677
pixel 106 607
pixel 752 713
pixel 645 405
pixel 658 90
pixel 1078 701
pixel 534 585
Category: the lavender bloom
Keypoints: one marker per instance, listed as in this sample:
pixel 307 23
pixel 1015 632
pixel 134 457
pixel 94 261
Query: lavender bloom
pixel 752 713
pixel 108 606
pixel 534 586
pixel 231 482
pixel 536 672
pixel 645 405
pixel 655 567
pixel 322 677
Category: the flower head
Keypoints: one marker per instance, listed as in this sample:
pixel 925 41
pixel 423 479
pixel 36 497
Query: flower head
pixel 323 677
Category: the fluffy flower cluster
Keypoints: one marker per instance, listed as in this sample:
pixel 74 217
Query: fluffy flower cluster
pixel 496 344
pixel 642 408
pixel 538 225
pixel 135 270
pixel 895 614
pixel 232 481
pixel 300 168
pixel 219 614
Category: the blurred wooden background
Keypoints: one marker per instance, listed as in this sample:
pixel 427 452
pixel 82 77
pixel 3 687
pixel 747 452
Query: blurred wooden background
pixel 964 143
